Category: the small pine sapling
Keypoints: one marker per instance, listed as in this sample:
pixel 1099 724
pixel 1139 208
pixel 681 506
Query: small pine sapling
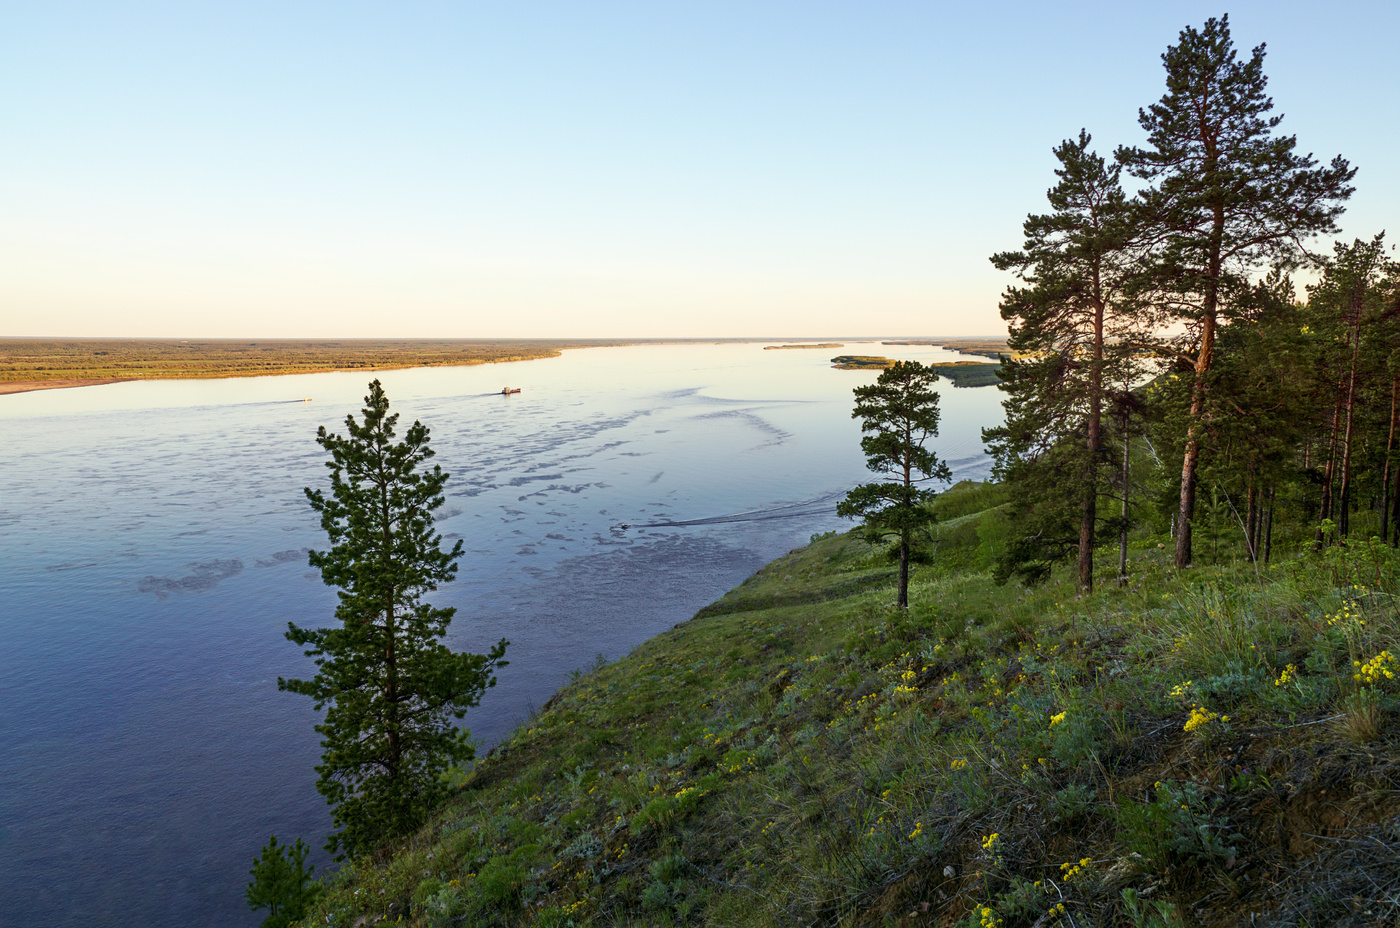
pixel 282 883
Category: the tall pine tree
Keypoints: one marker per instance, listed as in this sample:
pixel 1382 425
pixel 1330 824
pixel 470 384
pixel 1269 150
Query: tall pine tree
pixel 390 688
pixel 1071 326
pixel 1227 195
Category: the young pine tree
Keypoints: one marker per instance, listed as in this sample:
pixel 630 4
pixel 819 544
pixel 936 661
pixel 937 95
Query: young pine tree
pixel 898 413
pixel 390 688
pixel 1227 196
pixel 1072 327
pixel 282 883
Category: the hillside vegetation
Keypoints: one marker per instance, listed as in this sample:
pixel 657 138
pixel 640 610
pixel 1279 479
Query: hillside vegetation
pixel 1215 748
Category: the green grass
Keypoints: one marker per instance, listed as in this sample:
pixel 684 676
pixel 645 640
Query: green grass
pixel 804 753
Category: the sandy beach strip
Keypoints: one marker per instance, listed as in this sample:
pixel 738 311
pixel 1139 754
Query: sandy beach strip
pixel 57 383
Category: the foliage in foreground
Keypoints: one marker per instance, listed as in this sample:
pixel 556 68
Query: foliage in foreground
pixel 282 883
pixel 1208 749
pixel 390 688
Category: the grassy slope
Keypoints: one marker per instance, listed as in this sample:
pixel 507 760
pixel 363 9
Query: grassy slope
pixel 801 753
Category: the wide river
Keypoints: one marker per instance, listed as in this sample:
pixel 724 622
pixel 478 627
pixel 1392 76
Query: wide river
pixel 153 540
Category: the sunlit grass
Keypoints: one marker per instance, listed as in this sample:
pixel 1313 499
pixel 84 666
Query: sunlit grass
pixel 804 753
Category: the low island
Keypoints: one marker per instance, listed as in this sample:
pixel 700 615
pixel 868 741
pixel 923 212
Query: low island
pixel 961 373
pixel 861 362
pixel 987 347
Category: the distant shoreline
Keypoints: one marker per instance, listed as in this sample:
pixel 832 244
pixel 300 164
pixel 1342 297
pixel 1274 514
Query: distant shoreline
pixel 28 386
pixel 50 364
pixel 30 364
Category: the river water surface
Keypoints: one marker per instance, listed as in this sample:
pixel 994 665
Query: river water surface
pixel 153 540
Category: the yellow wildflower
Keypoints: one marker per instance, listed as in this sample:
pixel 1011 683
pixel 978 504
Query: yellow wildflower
pixel 1377 670
pixel 1200 718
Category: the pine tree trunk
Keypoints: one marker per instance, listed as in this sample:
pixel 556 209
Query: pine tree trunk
pixel 903 601
pixel 1269 528
pixel 1344 522
pixel 391 700
pixel 1089 514
pixel 1086 542
pixel 1259 525
pixel 1389 450
pixel 1328 504
pixel 391 670
pixel 1123 529
pixel 1186 510
pixel 1251 523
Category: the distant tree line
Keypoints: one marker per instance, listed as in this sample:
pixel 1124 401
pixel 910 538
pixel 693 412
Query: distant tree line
pixel 1166 322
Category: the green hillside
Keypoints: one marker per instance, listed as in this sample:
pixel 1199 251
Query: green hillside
pixel 1215 748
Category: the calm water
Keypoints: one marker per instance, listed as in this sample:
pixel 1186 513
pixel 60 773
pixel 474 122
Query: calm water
pixel 153 550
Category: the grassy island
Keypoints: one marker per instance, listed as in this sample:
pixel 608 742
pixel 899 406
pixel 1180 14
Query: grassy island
pixel 960 373
pixel 1215 747
pixel 861 362
pixel 969 373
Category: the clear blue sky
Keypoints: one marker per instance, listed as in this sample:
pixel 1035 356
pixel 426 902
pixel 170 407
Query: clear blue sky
pixel 592 169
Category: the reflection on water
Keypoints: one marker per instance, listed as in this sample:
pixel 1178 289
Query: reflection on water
pixel 154 548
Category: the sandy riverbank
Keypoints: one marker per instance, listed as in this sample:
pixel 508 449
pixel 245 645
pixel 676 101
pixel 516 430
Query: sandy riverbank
pixel 25 386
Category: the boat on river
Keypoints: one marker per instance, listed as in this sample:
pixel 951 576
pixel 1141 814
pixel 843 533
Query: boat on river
pixel 507 391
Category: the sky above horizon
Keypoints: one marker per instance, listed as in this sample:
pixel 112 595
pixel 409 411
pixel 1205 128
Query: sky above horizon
pixel 592 170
